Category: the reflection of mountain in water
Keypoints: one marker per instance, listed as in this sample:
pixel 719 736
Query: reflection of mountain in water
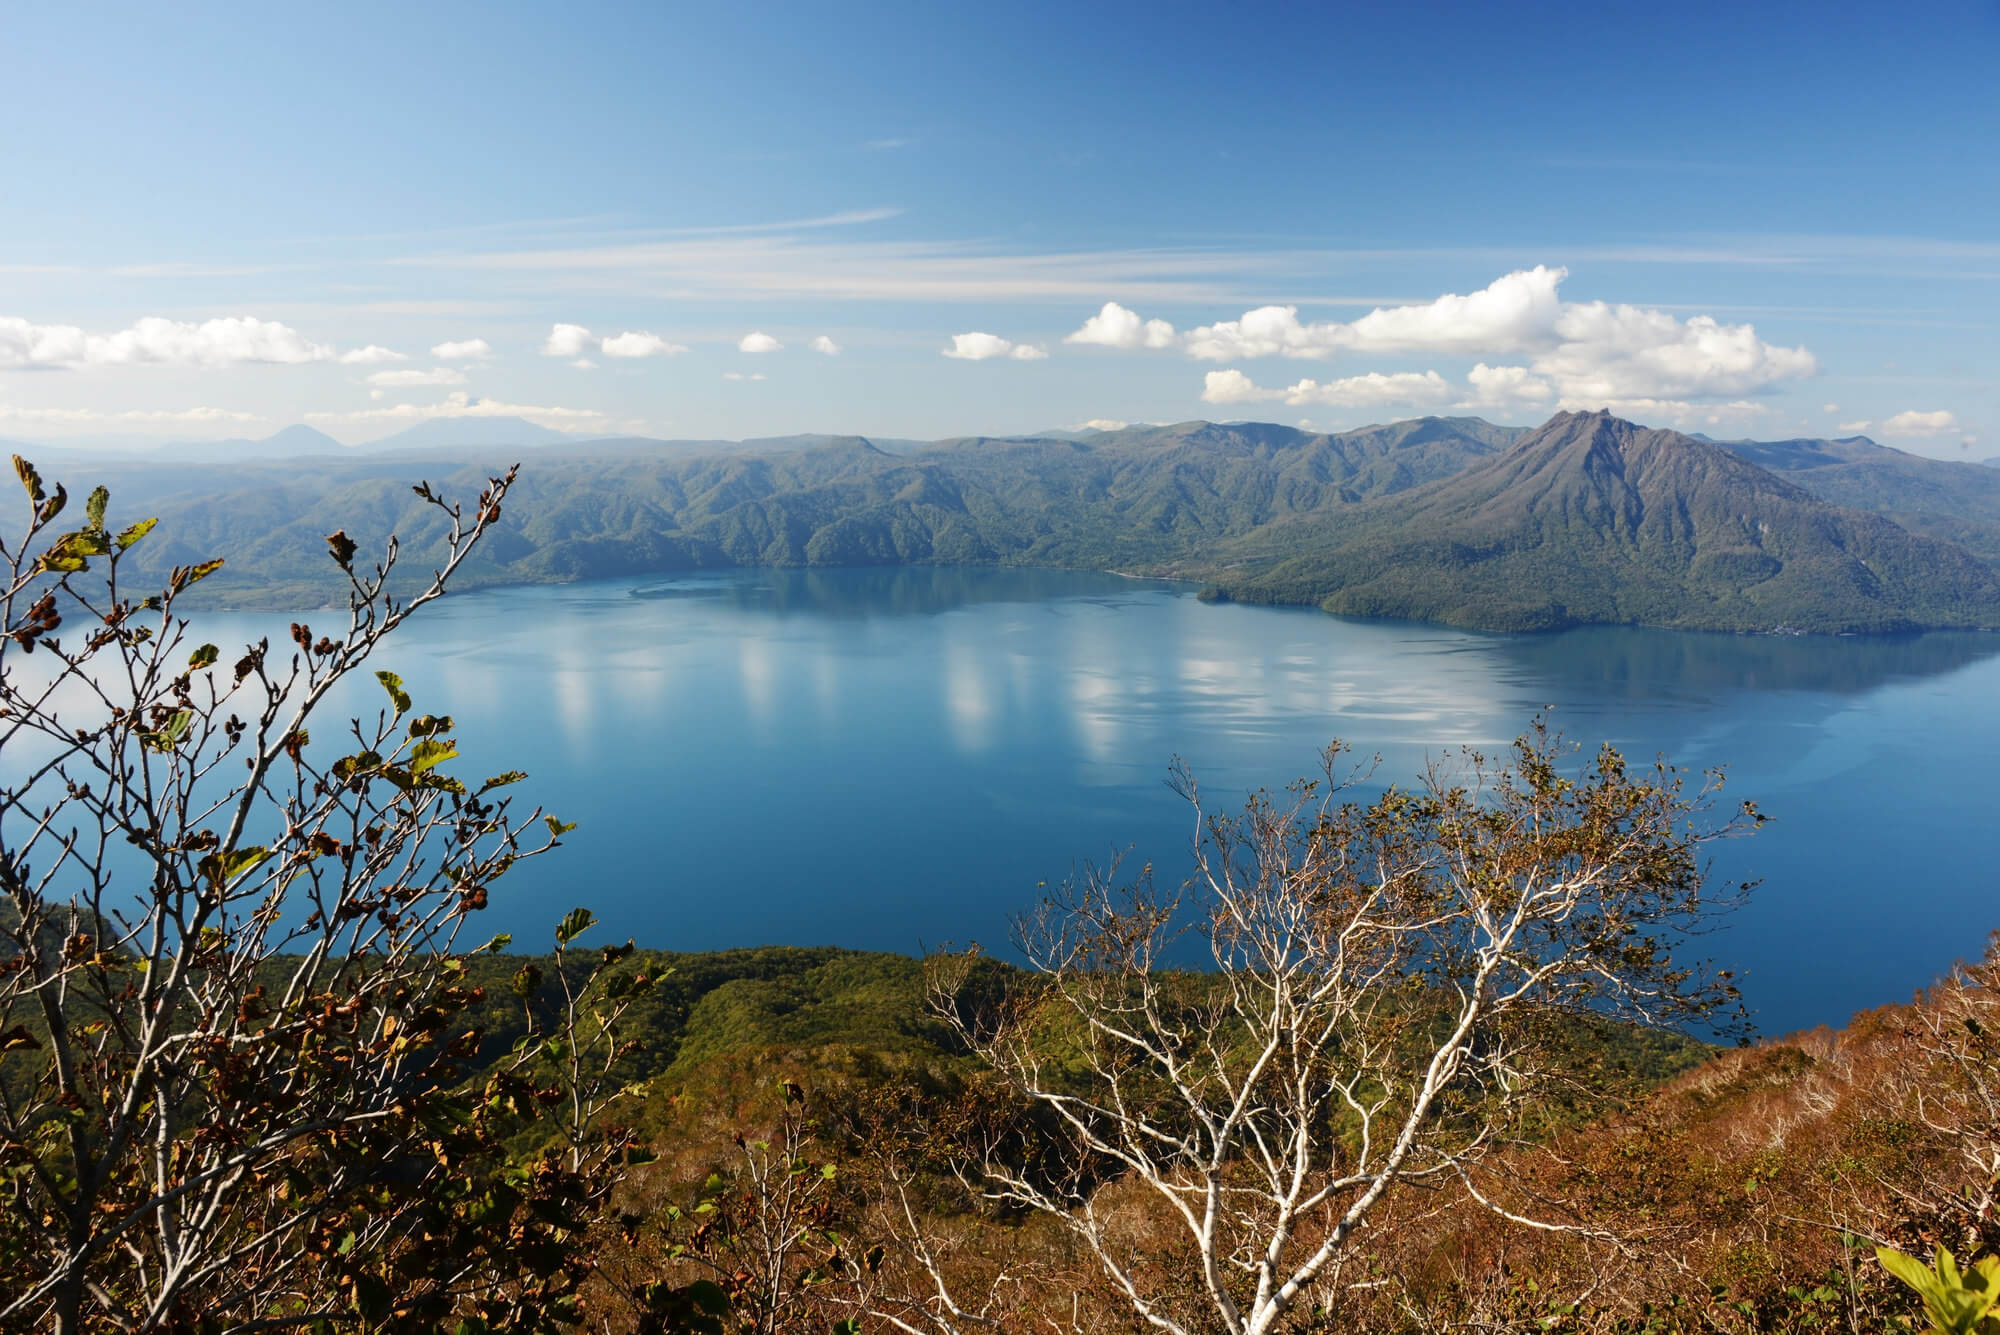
pixel 1624 660
pixel 893 590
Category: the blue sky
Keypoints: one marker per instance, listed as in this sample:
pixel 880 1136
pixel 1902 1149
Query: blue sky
pixel 1770 223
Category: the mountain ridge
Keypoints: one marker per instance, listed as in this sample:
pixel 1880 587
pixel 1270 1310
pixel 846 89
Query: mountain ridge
pixel 1594 519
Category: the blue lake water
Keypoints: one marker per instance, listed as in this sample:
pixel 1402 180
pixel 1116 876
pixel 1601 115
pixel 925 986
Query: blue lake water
pixel 895 759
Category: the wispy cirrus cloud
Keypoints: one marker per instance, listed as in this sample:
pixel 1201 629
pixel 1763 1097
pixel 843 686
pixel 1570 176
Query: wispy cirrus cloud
pixel 461 404
pixel 438 375
pixel 68 416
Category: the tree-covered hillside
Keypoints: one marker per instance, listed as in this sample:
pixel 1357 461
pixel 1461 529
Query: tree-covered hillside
pixel 1149 498
pixel 1594 519
pixel 1447 519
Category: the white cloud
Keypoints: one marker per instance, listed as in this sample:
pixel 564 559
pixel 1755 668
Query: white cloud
pixel 1102 424
pixel 1362 391
pixel 1514 313
pixel 584 364
pixel 10 413
pixel 1116 327
pixel 1586 351
pixel 1855 427
pixel 979 347
pixel 738 375
pixel 227 341
pixel 566 340
pixel 758 342
pixel 460 404
pixel 1613 352
pixel 825 346
pixel 442 375
pixel 372 355
pixel 1509 389
pixel 1829 407
pixel 638 343
pixel 1920 424
pixel 463 350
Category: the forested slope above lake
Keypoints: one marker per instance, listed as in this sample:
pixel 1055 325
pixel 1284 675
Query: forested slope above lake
pixel 1446 519
pixel 1594 519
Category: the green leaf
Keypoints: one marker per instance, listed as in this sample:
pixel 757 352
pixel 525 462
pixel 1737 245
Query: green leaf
pixel 167 738
pixel 93 508
pixel 71 550
pixel 500 942
pixel 429 754
pixel 502 780
pixel 574 924
pixel 241 860
pixel 430 725
pixel 1907 1268
pixel 393 684
pixel 347 767
pixel 203 657
pixel 128 536
pixel 557 828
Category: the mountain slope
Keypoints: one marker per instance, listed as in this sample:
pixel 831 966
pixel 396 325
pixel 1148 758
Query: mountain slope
pixel 1594 519
pixel 1141 499
pixel 1939 498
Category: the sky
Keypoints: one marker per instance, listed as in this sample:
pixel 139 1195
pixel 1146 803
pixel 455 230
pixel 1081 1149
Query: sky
pixel 914 220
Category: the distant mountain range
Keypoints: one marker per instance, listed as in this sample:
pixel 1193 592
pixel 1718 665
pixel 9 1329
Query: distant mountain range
pixel 1586 519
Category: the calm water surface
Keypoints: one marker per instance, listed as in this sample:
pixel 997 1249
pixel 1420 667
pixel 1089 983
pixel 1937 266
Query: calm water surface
pixel 895 759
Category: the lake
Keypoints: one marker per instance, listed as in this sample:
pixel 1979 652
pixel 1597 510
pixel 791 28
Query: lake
pixel 895 759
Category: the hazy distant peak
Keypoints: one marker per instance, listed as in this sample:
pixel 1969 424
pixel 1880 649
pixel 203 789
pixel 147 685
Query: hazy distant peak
pixel 300 439
pixel 452 432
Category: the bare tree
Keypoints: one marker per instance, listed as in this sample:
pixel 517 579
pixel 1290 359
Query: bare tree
pixel 232 989
pixel 1382 979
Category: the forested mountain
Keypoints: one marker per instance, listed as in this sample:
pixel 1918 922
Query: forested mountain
pixel 1147 498
pixel 1939 498
pixel 1594 519
pixel 1588 519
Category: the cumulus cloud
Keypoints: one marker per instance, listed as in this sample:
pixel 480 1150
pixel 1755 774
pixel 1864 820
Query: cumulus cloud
pixel 1921 424
pixel 1102 424
pixel 758 342
pixel 1573 351
pixel 979 347
pixel 1857 426
pixel 1514 313
pixel 463 350
pixel 1509 388
pixel 441 375
pixel 825 346
pixel 1372 390
pixel 227 341
pixel 566 340
pixel 372 355
pixel 572 341
pixel 1116 327
pixel 639 343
